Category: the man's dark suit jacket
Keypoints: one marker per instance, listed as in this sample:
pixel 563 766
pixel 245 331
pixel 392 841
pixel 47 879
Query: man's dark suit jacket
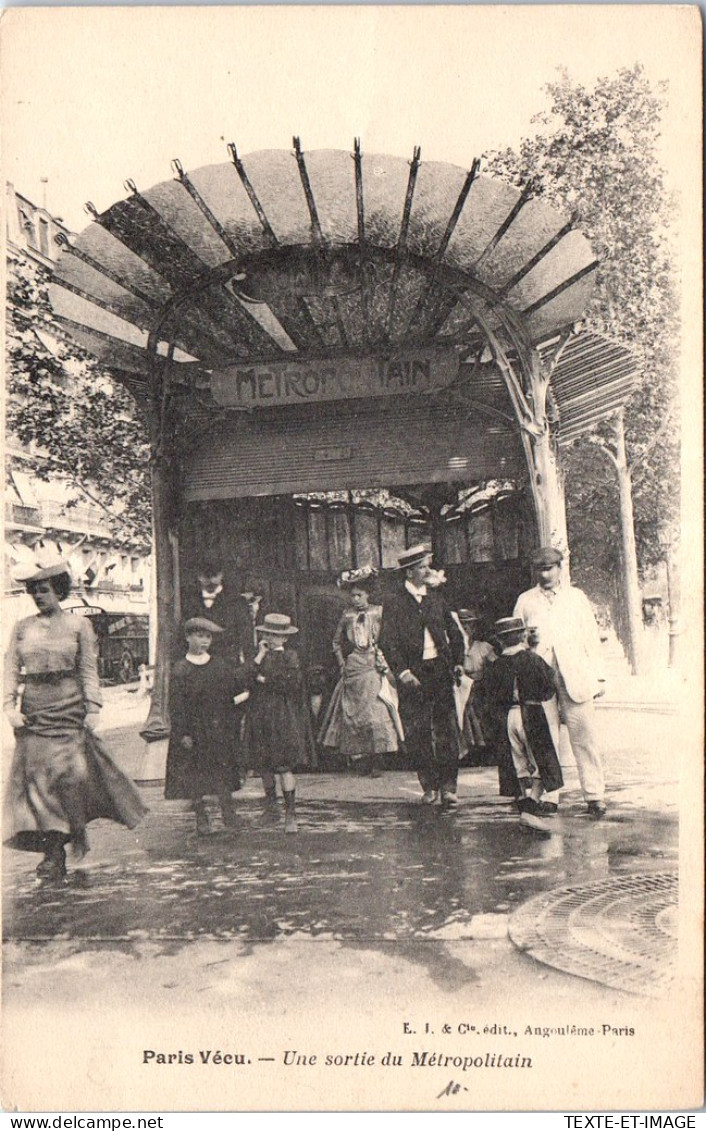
pixel 402 632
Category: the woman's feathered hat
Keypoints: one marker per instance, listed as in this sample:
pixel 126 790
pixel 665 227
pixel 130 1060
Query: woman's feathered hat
pixel 45 562
pixel 352 577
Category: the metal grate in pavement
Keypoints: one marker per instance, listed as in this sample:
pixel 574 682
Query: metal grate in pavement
pixel 620 932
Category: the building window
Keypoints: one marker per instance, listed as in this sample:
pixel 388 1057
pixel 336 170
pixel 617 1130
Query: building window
pixel 27 226
pixel 44 236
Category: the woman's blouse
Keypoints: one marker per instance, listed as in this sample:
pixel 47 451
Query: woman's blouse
pixel 56 645
pixel 357 631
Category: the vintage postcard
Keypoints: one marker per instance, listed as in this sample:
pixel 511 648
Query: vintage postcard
pixel 352 610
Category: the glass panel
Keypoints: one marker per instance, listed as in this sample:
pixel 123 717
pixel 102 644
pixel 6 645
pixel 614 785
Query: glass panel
pixel 340 540
pixel 301 552
pixel 505 521
pixel 456 550
pixel 480 533
pixel 418 531
pixel 318 550
pixel 392 529
pixel 366 539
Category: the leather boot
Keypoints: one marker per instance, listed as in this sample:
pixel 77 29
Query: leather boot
pixel 53 866
pixel 270 809
pixel 228 810
pixel 290 817
pixel 203 822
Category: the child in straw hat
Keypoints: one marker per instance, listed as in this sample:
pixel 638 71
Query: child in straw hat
pixel 276 717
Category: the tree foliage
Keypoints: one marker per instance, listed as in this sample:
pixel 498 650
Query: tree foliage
pixel 77 423
pixel 595 154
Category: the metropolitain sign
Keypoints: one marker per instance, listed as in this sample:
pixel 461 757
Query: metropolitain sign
pixel 291 381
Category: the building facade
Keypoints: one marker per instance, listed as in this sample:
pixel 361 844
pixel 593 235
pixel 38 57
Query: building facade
pixel 111 579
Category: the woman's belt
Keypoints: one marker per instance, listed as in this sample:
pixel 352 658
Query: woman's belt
pixel 49 677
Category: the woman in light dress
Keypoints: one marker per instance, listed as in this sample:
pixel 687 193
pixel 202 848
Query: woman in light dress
pixel 62 777
pixel 362 721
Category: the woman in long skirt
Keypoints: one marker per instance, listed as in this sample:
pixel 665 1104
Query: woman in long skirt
pixel 62 778
pixel 362 720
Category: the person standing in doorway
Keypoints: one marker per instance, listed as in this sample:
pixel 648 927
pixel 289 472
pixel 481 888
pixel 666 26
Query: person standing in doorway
pixel 563 631
pixel 214 601
pixel 424 647
pixel 359 723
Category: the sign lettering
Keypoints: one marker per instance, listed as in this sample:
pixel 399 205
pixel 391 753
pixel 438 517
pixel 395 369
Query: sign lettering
pixel 291 381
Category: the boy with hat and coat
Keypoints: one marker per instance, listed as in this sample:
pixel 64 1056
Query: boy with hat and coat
pixel 517 687
pixel 424 648
pixel 201 759
pixel 563 631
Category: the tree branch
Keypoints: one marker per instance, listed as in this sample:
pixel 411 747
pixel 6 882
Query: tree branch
pixel 653 442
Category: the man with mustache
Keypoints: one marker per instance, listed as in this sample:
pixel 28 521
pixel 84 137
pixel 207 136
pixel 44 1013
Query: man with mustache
pixel 424 647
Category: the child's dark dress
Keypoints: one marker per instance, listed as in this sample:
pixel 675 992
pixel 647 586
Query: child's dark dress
pixel 201 705
pixel 523 678
pixel 277 721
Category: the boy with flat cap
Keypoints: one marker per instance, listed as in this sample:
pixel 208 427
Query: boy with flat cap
pixel 563 631
pixel 424 647
pixel 201 760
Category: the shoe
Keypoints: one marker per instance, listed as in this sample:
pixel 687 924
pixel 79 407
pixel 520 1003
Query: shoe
pixel 271 812
pixel 429 796
pixel 596 810
pixel 530 816
pixel 548 808
pixel 290 813
pixel 79 844
pixel 203 822
pixel 270 809
pixel 449 800
pixel 53 867
pixel 374 771
pixel 228 812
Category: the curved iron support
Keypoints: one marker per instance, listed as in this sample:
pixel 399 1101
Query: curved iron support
pixel 528 393
pixel 401 251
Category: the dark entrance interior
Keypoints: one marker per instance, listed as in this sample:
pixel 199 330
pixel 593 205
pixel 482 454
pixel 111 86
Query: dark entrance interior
pixel 292 549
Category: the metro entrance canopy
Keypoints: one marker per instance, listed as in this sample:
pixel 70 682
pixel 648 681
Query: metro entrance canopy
pixel 266 280
pixel 294 321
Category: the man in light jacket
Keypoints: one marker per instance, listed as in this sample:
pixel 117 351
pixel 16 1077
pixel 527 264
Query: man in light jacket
pixel 564 632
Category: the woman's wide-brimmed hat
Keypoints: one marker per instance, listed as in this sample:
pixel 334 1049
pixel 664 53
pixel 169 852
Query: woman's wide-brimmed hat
pixel 278 624
pixel 202 624
pixel 414 555
pixel 352 577
pixel 44 566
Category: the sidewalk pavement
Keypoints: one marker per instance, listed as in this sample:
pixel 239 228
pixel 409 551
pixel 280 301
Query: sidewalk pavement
pixel 368 862
pixel 379 910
